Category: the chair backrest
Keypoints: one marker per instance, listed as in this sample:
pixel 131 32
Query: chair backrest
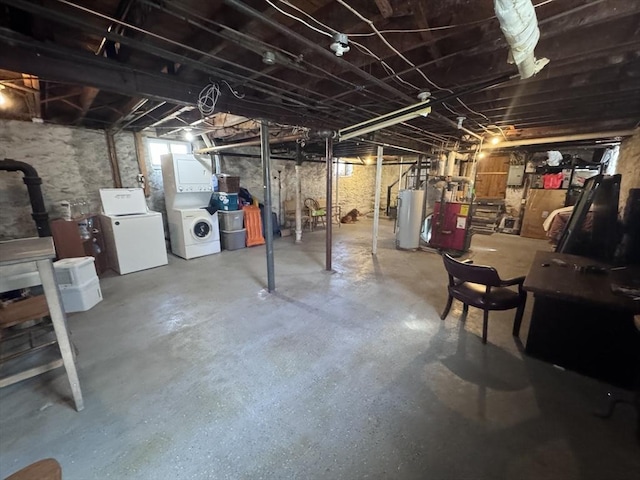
pixel 290 205
pixel 467 272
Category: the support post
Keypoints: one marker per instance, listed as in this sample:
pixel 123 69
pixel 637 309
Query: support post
pixel 337 203
pixel 268 217
pixel 142 164
pixel 298 195
pixel 113 159
pixel 329 239
pixel 376 211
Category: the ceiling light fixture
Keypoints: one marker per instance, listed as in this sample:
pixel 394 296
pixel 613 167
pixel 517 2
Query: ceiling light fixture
pixel 188 135
pixel 340 44
pixel 481 155
pixel 384 121
pixel 3 98
pixel 269 58
pixel 495 140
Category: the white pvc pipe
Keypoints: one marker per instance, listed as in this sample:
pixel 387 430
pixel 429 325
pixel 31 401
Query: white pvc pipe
pixel 298 207
pixel 561 139
pixel 376 212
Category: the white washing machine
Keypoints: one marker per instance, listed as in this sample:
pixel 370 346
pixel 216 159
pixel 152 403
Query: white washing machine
pixel 194 232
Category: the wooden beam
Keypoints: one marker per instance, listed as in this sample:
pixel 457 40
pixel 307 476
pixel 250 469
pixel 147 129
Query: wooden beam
pixel 87 97
pixel 113 159
pixel 420 14
pixel 385 8
pixel 32 82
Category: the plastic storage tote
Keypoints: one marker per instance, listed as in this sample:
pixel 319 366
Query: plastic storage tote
pixel 233 240
pixel 81 297
pixel 75 271
pixel 231 221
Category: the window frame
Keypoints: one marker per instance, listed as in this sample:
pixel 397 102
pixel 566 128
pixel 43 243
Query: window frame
pixel 169 143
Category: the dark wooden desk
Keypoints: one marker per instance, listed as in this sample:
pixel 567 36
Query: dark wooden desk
pixel 578 322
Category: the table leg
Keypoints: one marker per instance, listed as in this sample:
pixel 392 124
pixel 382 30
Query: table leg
pixel 59 320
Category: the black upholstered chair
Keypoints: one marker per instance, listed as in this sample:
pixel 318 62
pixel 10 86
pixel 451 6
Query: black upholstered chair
pixel 482 287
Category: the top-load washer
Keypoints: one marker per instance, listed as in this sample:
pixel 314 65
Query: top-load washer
pixel 194 232
pixel 134 235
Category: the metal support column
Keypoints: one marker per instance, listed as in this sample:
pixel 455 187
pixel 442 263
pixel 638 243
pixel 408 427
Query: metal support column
pixel 298 195
pixel 376 211
pixel 268 217
pixel 329 239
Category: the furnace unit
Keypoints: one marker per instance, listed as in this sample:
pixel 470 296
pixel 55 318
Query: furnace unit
pixel 450 226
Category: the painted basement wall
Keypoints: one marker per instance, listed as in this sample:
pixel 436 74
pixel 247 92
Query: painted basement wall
pixel 356 191
pixel 72 162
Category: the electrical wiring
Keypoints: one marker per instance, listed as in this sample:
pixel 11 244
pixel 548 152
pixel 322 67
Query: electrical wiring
pixel 298 19
pixel 358 45
pixel 208 98
pixel 209 95
pixel 386 42
pixel 435 29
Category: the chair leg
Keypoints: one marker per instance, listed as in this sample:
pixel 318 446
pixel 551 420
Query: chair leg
pixel 447 308
pixel 485 325
pixel 518 320
pixel 465 311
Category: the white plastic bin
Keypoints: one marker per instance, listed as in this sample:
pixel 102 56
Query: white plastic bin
pixel 80 298
pixel 231 221
pixel 75 271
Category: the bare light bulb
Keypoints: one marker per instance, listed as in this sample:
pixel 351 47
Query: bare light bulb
pixel 495 140
pixel 3 99
pixel 481 155
pixel 188 135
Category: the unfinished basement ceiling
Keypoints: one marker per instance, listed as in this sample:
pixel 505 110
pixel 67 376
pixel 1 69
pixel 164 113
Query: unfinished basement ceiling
pixel 140 64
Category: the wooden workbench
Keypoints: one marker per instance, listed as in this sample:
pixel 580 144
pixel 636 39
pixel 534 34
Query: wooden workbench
pixel 41 252
pixel 578 322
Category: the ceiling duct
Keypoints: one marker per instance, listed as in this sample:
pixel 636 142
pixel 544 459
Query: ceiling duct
pixel 519 24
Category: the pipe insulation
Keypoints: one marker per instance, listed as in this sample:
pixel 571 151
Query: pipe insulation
pixel 519 24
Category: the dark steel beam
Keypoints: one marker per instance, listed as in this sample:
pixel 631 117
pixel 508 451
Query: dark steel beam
pixel 78 68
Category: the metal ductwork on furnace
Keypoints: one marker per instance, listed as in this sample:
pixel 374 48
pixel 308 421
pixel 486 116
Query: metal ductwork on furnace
pixel 33 182
pixel 519 24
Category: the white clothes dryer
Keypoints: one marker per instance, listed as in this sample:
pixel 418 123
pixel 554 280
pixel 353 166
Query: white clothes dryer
pixel 194 232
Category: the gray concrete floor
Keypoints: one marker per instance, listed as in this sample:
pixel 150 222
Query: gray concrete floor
pixel 193 371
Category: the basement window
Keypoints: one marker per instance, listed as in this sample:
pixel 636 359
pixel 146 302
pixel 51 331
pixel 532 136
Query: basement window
pixel 344 169
pixel 158 147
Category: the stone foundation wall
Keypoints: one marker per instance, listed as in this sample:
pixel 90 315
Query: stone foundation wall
pixel 72 162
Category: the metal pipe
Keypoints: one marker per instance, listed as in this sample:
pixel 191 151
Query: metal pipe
pixel 268 218
pixel 376 204
pixel 561 139
pixel 248 143
pixel 329 206
pixel 161 53
pixel 33 181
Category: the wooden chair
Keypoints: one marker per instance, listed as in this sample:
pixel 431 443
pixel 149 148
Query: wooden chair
pixel 47 469
pixel 315 212
pixel 482 287
pixel 290 214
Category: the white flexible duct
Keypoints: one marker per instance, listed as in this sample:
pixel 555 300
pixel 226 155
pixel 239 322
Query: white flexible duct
pixel 519 24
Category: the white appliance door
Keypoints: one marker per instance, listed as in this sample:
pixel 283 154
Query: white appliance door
pixel 192 174
pixel 123 201
pixel 139 242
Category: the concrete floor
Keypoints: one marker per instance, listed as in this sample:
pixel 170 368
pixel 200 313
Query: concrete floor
pixel 192 371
